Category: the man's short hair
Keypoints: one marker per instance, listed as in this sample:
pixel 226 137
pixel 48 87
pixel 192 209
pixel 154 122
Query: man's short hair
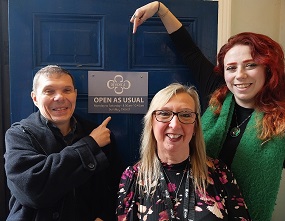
pixel 50 70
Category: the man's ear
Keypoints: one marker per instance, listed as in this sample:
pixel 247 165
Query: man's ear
pixel 34 98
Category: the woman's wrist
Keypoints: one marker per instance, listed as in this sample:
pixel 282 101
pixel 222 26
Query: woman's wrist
pixel 162 10
pixel 158 7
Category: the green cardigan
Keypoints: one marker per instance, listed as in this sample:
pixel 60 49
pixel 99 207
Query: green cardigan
pixel 257 165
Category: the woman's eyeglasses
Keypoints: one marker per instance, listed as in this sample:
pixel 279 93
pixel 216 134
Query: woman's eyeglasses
pixel 185 117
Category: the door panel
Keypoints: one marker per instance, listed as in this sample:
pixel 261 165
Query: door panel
pixel 97 35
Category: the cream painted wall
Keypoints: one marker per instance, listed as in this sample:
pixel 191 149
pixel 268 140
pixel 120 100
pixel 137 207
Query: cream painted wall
pixel 261 16
pixel 282 24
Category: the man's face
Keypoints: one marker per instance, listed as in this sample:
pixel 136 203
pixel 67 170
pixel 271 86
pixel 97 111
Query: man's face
pixel 55 96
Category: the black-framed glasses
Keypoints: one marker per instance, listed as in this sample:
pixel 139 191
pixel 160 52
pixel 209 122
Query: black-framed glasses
pixel 185 117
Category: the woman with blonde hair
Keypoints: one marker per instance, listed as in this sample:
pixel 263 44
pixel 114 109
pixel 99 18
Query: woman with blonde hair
pixel 174 179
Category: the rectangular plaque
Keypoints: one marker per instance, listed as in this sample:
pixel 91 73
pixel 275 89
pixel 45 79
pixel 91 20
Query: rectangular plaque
pixel 117 92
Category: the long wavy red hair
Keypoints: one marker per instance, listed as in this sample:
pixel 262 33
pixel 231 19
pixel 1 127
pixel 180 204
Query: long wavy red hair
pixel 271 98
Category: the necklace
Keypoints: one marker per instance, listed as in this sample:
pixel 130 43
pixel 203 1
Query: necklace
pixel 188 196
pixel 171 185
pixel 235 131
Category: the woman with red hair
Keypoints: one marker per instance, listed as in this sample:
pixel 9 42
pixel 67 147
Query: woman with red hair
pixel 244 122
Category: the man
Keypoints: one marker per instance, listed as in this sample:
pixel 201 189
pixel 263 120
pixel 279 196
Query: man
pixel 56 164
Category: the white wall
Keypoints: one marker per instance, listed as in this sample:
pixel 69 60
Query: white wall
pixel 261 16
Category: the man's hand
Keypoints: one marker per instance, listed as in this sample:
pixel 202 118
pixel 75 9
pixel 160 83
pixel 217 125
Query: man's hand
pixel 101 134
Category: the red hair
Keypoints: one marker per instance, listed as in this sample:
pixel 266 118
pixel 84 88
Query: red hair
pixel 271 98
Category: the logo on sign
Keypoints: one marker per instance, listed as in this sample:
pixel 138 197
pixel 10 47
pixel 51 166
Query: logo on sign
pixel 118 84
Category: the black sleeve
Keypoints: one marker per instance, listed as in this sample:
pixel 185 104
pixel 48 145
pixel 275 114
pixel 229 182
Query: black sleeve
pixel 200 67
pixel 33 176
pixel 112 174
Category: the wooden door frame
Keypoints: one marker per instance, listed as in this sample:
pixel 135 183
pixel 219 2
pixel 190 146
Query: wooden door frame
pixel 224 22
pixel 4 104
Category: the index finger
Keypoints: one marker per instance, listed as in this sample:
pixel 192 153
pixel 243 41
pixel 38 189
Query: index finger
pixel 106 121
pixel 135 25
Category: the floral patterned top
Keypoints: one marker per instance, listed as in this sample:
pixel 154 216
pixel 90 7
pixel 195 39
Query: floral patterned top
pixel 223 200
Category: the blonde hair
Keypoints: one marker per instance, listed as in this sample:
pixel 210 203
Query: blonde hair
pixel 149 171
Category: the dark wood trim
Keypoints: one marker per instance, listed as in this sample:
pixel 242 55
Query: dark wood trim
pixel 4 104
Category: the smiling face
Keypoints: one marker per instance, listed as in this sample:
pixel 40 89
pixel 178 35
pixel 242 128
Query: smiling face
pixel 55 96
pixel 173 137
pixel 243 76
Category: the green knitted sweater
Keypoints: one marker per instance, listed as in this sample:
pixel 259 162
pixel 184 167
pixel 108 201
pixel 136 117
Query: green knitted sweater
pixel 257 165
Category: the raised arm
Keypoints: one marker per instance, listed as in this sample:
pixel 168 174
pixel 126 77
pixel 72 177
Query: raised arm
pixel 171 23
pixel 201 68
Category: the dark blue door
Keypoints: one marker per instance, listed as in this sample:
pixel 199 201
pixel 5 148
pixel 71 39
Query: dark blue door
pixel 96 35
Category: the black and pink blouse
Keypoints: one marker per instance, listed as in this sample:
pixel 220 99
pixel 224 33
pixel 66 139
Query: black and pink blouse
pixel 223 200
